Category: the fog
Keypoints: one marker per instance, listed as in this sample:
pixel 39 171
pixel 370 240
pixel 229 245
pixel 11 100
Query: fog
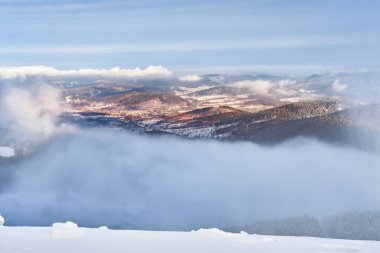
pixel 29 114
pixel 108 177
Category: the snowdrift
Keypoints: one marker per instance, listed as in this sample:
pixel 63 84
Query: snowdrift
pixel 68 237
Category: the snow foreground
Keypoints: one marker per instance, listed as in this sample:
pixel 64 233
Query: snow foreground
pixel 68 237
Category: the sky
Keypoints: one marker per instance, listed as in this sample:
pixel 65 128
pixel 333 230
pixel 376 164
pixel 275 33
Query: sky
pixel 189 33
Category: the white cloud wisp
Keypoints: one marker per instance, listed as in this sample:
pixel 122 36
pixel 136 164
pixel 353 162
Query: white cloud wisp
pixel 116 72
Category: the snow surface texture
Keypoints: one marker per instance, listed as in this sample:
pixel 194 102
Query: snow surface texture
pixel 45 240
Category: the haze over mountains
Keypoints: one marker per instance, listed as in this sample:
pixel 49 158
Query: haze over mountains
pixel 268 150
pixel 265 109
pixel 189 117
pixel 339 107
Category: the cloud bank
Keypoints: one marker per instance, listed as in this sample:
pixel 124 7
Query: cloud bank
pixel 104 177
pixel 116 72
pixel 190 78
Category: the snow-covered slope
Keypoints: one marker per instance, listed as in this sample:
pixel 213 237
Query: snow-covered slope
pixel 67 237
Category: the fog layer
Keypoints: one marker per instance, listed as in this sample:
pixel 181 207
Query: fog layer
pixel 108 177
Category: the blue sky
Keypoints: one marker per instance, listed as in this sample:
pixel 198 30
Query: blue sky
pixel 190 33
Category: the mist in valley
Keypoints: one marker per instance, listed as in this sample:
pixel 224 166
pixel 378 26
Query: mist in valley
pixel 111 177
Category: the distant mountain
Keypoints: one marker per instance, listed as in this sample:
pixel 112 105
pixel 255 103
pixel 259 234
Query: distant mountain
pixel 225 112
pixel 137 99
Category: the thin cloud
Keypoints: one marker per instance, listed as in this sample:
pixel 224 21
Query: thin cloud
pixel 181 46
pixel 266 88
pixel 116 72
pixel 338 86
pixel 190 78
